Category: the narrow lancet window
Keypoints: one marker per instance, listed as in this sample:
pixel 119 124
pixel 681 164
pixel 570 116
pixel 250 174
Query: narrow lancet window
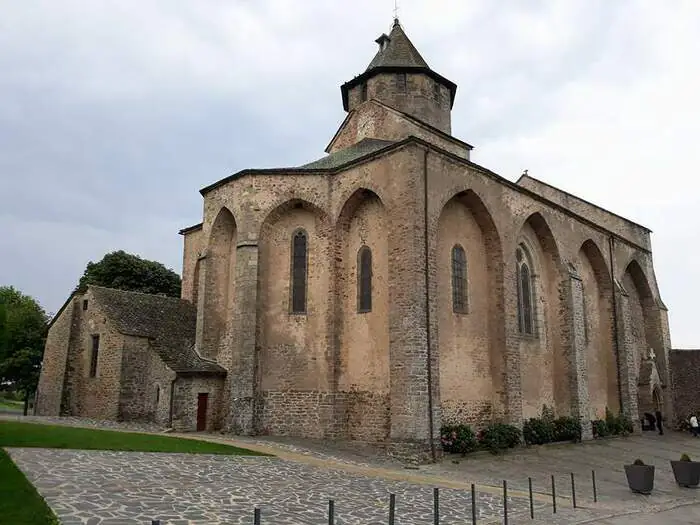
pixel 459 280
pixel 364 280
pixel 299 269
pixel 525 294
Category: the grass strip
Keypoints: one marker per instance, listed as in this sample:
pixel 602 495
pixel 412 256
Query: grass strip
pixel 18 434
pixel 20 503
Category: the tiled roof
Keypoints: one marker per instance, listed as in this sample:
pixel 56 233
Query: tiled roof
pixel 168 322
pixel 354 152
pixel 398 51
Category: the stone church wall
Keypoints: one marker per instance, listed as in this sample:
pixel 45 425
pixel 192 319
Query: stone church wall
pixel 145 383
pixel 185 394
pixel 193 245
pixel 685 370
pixel 93 397
pixel 319 374
pixel 53 366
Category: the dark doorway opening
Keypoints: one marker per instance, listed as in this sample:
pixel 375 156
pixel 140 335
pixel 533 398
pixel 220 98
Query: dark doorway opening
pixel 202 401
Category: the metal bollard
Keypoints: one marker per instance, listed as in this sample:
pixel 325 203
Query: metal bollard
pixel 473 504
pixel 155 522
pixel 532 506
pixel 505 502
pixel 554 496
pixel 595 490
pixel 331 512
pixel 256 516
pixel 392 508
pixel 436 506
pixel 573 490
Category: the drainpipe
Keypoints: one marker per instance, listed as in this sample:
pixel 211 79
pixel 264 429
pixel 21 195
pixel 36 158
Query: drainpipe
pixel 616 342
pixel 427 306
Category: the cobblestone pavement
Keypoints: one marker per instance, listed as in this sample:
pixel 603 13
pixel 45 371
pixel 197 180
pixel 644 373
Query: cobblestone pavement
pixel 607 457
pixel 95 487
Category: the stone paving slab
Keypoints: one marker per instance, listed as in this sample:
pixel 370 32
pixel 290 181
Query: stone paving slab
pixel 106 488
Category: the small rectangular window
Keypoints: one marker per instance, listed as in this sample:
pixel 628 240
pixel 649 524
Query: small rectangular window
pixel 363 93
pixel 401 83
pixel 85 304
pixel 93 355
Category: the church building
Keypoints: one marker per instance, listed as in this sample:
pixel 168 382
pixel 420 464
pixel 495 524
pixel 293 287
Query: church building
pixel 394 285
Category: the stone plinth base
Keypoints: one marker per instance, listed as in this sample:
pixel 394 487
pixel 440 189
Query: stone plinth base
pixel 413 452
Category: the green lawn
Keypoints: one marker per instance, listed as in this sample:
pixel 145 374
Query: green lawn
pixel 15 434
pixel 20 504
pixel 8 404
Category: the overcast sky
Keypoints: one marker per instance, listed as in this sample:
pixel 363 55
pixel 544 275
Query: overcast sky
pixel 114 113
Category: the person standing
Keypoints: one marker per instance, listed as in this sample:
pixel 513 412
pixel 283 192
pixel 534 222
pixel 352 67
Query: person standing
pixel 659 423
pixel 694 425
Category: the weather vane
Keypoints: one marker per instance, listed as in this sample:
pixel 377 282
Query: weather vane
pixel 396 9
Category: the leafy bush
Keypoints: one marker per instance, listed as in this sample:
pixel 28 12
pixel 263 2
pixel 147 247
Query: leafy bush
pixel 537 431
pixel 638 462
pixel 600 428
pixel 619 425
pixel 685 457
pixel 459 439
pixel 500 436
pixel 567 429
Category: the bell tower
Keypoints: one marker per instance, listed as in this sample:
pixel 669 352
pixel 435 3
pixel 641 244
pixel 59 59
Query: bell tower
pixel 399 77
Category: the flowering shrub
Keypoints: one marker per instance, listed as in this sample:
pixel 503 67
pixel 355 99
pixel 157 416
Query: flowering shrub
pixel 459 439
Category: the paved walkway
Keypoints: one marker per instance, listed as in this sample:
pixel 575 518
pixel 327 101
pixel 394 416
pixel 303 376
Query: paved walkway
pixel 356 476
pixel 95 487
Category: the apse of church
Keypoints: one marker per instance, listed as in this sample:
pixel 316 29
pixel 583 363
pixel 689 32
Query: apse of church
pixel 393 285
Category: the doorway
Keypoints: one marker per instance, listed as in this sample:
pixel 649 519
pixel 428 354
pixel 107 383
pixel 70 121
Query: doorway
pixel 202 402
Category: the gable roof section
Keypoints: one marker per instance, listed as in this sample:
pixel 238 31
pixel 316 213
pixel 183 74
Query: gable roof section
pixel 411 118
pixel 354 152
pixel 168 322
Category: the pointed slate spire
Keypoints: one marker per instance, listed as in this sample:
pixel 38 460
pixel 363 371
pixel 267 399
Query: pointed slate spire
pixel 396 50
pixel 404 79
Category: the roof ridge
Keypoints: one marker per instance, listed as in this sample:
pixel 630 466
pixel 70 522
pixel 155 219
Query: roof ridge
pixel 136 292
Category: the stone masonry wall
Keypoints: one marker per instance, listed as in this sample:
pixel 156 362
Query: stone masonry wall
pixel 376 120
pixel 53 365
pixel 192 247
pixel 685 371
pixel 145 383
pixel 94 397
pixel 185 393
pixel 314 202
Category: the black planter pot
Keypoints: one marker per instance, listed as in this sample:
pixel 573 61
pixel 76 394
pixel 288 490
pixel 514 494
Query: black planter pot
pixel 687 473
pixel 640 478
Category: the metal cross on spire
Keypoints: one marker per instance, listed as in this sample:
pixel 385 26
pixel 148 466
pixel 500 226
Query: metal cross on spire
pixel 396 9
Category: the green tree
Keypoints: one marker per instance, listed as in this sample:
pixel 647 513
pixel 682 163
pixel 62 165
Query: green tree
pixel 125 271
pixel 23 324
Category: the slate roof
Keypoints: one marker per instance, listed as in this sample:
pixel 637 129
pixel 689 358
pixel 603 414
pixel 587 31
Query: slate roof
pixel 398 52
pixel 168 322
pixel 354 152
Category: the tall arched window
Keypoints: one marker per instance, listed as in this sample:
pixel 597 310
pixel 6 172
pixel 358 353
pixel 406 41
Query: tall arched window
pixel 459 280
pixel 299 266
pixel 364 280
pixel 525 292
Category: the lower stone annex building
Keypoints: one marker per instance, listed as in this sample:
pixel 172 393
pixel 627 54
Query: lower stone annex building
pixel 378 292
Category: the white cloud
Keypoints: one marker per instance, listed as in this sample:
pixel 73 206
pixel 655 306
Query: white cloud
pixel 596 97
